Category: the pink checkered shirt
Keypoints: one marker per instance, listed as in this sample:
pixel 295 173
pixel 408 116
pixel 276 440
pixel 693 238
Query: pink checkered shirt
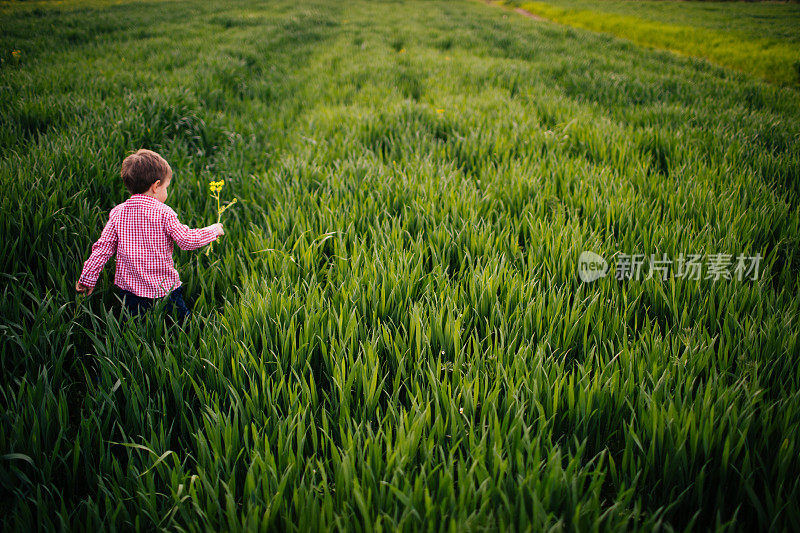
pixel 141 232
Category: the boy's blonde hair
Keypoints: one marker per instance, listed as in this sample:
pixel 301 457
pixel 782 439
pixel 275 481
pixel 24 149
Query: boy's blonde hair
pixel 143 168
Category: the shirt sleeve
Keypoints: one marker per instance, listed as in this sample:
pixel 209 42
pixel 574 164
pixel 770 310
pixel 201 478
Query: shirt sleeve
pixel 102 250
pixel 184 236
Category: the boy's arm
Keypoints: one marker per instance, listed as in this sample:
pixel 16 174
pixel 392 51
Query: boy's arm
pixel 187 238
pixel 104 248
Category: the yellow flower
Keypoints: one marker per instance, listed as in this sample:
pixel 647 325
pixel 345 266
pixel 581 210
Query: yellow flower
pixel 214 188
pixel 439 111
pixel 15 53
pixel 402 51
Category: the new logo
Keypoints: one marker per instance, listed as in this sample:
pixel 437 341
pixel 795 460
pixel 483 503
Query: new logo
pixel 591 267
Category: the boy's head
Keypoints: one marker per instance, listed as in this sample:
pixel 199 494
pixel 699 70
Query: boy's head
pixel 146 171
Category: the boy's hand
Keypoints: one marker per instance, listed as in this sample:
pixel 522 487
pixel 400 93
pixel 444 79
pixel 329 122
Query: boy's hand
pixel 218 229
pixel 80 287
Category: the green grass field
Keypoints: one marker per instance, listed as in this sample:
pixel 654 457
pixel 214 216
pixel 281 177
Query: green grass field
pixel 759 38
pixel 392 333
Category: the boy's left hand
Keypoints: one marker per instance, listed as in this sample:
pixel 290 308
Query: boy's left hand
pixel 80 287
pixel 217 228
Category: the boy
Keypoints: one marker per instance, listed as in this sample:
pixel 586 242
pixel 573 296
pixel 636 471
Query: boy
pixel 141 231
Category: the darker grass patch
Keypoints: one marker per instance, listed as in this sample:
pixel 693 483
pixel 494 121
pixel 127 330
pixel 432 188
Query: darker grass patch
pixel 658 148
pixel 409 83
pixel 444 43
pixel 29 119
pixel 397 42
pixel 159 122
pixel 229 21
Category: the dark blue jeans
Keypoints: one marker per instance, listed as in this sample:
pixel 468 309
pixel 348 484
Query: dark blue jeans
pixel 138 304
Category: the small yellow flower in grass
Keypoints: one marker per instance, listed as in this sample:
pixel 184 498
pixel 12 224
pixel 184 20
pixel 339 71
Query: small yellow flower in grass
pixel 439 111
pixel 15 54
pixel 402 51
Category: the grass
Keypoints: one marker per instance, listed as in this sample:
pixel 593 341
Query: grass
pixel 422 354
pixel 758 38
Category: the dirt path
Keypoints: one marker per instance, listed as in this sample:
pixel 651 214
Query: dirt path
pixel 519 11
pixel 529 14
